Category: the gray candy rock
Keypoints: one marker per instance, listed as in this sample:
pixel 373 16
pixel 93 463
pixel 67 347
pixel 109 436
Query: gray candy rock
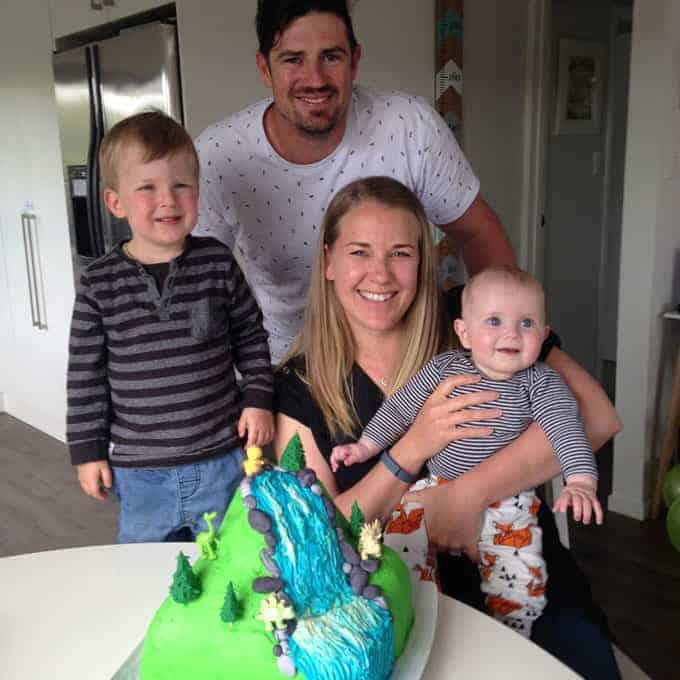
pixel 277 650
pixel 330 508
pixel 270 540
pixel 348 553
pixel 260 521
pixel 267 557
pixel 267 584
pixel 316 489
pixel 381 602
pixel 286 665
pixel 371 592
pixel 358 580
pixel 370 565
pixel 306 477
pixel 250 502
pixel 346 568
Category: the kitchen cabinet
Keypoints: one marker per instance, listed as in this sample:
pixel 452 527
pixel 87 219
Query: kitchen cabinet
pixel 33 223
pixel 73 16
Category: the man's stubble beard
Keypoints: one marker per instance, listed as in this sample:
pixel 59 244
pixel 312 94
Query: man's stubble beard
pixel 305 127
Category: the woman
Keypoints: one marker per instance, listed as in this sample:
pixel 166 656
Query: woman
pixel 372 320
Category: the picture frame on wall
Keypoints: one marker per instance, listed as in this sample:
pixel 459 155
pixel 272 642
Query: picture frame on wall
pixel 580 87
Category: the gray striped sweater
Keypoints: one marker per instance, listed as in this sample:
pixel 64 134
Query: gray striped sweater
pixel 151 377
pixel 537 393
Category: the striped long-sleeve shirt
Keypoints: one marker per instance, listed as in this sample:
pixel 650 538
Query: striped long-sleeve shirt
pixel 151 377
pixel 537 394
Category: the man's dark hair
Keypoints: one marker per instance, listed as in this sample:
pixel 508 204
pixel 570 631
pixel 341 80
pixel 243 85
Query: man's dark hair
pixel 274 16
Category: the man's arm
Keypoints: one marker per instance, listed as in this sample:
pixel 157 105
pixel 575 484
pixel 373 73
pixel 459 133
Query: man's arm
pixel 480 237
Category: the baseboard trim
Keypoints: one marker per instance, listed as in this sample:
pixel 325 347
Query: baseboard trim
pixel 625 505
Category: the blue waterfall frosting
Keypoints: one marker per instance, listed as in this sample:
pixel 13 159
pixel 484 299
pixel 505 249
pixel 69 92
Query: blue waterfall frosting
pixel 339 636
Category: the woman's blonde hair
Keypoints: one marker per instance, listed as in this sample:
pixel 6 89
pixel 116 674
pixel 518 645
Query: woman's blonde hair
pixel 325 340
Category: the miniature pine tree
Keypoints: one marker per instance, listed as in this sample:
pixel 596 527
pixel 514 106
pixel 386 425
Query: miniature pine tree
pixel 186 586
pixel 356 520
pixel 293 458
pixel 231 607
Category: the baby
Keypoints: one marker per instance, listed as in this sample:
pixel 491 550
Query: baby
pixel 502 328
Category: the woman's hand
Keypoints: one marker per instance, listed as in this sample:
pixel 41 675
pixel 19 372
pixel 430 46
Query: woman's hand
pixel 453 516
pixel 439 421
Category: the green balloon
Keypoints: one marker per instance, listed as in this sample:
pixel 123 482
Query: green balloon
pixel 673 524
pixel 671 486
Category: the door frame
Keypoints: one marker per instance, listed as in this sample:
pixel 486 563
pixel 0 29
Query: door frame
pixel 618 13
pixel 535 134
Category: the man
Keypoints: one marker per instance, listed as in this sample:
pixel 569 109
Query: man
pixel 269 171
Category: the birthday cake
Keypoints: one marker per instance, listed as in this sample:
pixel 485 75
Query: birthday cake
pixel 286 587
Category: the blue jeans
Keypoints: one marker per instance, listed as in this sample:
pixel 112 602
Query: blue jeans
pixel 167 504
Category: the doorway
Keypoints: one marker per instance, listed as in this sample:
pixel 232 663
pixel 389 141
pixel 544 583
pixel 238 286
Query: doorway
pixel 584 191
pixel 574 196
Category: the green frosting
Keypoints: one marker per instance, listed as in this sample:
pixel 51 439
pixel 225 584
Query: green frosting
pixel 191 642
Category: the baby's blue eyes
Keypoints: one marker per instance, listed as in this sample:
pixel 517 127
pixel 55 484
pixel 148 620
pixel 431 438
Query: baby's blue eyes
pixel 524 323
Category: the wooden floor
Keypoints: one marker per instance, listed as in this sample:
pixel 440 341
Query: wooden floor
pixel 635 576
pixel 634 571
pixel 41 505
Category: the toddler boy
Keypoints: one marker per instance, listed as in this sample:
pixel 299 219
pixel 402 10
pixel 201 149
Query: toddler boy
pixel 502 328
pixel 159 323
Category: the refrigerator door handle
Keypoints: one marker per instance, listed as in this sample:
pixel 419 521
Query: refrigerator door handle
pixel 96 135
pixel 36 262
pixel 30 268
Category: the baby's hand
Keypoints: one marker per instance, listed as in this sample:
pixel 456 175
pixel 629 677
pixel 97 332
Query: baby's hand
pixel 348 454
pixel 258 423
pixel 580 492
pixel 95 478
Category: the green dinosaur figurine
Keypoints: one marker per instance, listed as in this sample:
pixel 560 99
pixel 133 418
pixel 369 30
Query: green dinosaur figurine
pixel 206 540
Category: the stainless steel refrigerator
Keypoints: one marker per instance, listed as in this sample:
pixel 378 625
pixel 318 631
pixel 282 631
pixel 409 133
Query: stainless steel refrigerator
pixel 96 86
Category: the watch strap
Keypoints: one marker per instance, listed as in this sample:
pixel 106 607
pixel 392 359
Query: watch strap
pixel 396 469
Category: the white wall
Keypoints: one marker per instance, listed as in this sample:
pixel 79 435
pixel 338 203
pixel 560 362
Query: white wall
pixel 650 243
pixel 398 48
pixel 494 65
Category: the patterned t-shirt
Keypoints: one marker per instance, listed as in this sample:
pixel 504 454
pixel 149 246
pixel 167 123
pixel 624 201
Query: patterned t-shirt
pixel 269 210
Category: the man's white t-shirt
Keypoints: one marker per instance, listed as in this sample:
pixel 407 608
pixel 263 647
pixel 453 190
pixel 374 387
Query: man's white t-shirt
pixel 269 210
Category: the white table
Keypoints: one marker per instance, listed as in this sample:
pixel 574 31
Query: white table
pixel 72 614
